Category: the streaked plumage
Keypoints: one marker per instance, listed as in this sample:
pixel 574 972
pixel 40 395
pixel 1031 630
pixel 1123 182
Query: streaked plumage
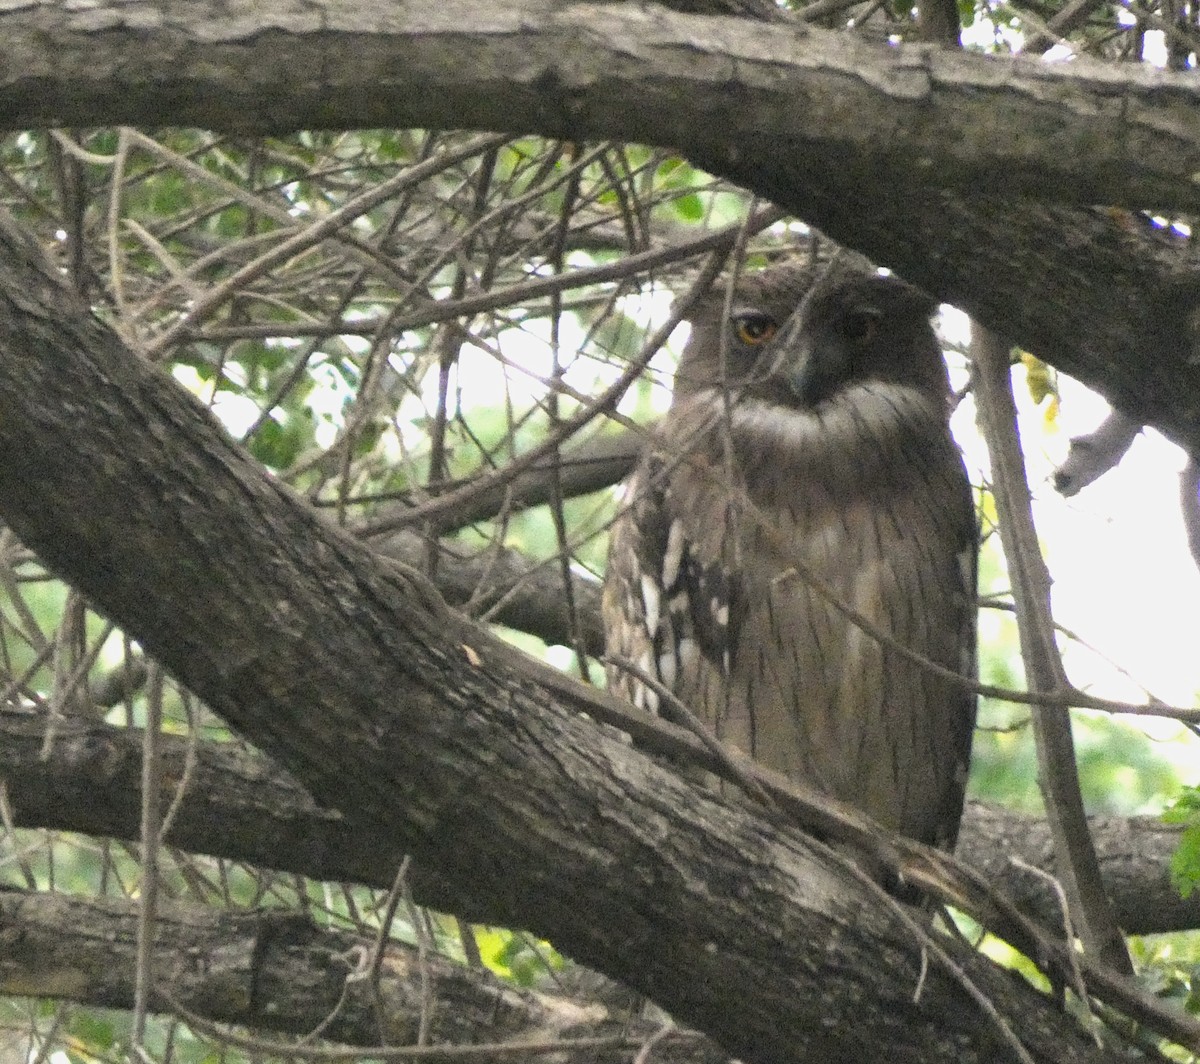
pixel 828 455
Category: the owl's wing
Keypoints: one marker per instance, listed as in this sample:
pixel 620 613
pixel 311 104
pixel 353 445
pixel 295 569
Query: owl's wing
pixel 965 536
pixel 673 591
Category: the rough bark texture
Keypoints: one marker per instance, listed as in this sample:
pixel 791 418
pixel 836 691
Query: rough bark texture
pixel 1083 132
pixel 1135 857
pixel 393 710
pixel 241 807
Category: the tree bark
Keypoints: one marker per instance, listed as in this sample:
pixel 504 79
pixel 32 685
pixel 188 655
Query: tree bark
pixel 508 587
pixel 240 807
pixel 393 710
pixel 279 972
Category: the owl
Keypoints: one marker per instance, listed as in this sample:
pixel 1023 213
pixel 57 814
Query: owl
pixel 797 545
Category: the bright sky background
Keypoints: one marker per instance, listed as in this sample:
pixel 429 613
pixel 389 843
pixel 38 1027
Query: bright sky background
pixel 1124 579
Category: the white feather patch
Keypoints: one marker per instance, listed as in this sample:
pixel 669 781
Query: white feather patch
pixel 651 603
pixel 646 698
pixel 673 558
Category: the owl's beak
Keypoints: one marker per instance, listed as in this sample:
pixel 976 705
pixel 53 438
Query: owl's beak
pixel 794 360
pixel 806 377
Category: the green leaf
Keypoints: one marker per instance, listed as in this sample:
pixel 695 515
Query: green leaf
pixel 689 208
pixel 1185 861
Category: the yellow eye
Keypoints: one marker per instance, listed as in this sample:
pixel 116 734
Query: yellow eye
pixel 753 327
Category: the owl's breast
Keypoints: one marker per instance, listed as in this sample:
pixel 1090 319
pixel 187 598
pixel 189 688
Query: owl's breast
pixel 845 527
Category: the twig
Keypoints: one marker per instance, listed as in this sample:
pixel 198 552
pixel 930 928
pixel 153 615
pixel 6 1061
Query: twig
pixel 1064 909
pixel 150 839
pixel 1057 770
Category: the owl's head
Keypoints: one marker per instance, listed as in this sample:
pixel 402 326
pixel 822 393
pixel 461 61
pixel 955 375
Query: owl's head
pixel 854 326
pixel 800 337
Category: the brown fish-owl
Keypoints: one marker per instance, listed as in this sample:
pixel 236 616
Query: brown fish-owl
pixel 806 464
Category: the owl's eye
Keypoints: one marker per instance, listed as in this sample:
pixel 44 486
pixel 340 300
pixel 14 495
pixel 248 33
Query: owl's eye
pixel 753 327
pixel 861 325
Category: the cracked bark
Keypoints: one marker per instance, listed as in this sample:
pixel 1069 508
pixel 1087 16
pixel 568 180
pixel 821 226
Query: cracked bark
pixel 277 972
pixel 1081 132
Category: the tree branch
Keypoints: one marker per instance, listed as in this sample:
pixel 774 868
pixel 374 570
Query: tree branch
pixel 279 972
pixel 242 808
pixel 593 71
pixel 508 587
pixel 1058 773
pixel 599 462
pixel 1135 865
pixel 1100 294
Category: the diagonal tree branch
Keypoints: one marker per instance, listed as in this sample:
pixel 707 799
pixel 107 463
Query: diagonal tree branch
pixel 508 587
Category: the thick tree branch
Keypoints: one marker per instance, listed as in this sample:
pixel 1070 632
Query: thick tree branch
pixel 278 972
pixel 1134 853
pixel 508 587
pixel 633 72
pixel 532 815
pixel 240 807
